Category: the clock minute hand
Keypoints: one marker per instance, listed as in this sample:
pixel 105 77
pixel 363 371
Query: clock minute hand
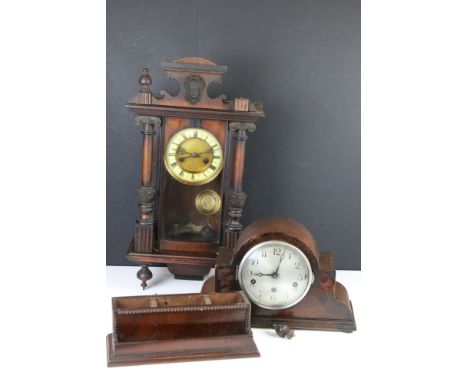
pixel 186 154
pixel 275 273
pixel 189 155
pixel 194 155
pixel 209 149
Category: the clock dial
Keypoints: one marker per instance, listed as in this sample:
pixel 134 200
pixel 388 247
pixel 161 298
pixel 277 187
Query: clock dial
pixel 275 275
pixel 193 156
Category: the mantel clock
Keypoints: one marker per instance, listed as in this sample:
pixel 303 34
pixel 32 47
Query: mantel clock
pixel 289 282
pixel 191 198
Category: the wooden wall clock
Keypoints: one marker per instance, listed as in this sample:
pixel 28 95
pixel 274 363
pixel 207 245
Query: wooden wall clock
pixel 276 262
pixel 190 198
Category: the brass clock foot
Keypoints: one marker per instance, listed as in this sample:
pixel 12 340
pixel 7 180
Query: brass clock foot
pixel 283 331
pixel 144 274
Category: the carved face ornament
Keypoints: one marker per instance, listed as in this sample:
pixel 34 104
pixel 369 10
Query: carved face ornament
pixel 194 86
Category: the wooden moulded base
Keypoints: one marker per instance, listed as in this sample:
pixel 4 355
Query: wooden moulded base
pixel 347 325
pixel 319 310
pixel 194 349
pixel 183 265
pixel 331 311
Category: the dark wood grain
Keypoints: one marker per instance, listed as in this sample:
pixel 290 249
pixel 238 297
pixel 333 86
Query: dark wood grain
pixel 183 327
pixel 229 121
pixel 325 307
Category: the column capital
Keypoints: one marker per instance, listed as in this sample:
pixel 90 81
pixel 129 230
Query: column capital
pixel 147 120
pixel 245 126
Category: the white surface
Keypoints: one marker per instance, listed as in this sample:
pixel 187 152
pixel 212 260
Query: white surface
pixel 411 320
pixel 279 356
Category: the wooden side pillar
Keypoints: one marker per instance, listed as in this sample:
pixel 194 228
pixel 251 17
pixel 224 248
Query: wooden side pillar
pixel 146 192
pixel 236 197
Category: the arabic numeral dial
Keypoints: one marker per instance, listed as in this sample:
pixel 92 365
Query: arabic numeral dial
pixel 275 274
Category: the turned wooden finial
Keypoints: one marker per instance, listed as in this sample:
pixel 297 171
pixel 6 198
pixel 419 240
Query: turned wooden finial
pixel 145 81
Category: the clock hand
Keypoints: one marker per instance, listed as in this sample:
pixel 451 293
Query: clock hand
pixel 204 152
pixel 263 274
pixel 275 273
pixel 194 155
pixel 186 155
pixel 189 155
pixel 209 149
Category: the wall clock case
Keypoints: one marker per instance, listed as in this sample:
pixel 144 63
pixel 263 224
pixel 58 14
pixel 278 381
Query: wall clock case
pixel 190 200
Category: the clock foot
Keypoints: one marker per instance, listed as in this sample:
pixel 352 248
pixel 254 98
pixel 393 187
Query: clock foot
pixel 144 274
pixel 283 331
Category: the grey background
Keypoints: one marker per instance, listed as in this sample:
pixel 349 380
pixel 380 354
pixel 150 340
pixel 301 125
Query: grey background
pixel 300 58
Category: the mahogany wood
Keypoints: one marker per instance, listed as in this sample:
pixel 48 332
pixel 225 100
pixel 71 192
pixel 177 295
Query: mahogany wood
pixel 144 229
pixel 177 257
pixel 238 163
pixel 188 246
pixel 171 257
pixel 147 157
pixel 237 197
pixel 196 113
pixel 184 327
pixel 188 272
pixel 325 307
pixel 195 349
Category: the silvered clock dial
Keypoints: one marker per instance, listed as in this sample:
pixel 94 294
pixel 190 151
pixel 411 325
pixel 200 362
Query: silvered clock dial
pixel 275 275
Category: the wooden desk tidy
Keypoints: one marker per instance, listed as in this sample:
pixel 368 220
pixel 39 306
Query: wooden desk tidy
pixel 180 327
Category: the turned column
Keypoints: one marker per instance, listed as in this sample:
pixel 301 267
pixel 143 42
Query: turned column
pixel 144 230
pixel 146 192
pixel 236 197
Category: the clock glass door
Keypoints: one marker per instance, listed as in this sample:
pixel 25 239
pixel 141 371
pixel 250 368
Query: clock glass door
pixel 191 185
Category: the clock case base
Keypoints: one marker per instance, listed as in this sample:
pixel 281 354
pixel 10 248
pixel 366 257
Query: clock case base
pixel 183 265
pixel 331 309
pixel 326 307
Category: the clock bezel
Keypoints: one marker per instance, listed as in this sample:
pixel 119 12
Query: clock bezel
pixel 250 251
pixel 174 175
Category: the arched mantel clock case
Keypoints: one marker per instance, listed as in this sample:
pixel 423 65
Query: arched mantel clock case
pixel 190 199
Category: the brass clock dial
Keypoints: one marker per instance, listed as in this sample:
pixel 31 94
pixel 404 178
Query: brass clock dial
pixel 208 202
pixel 193 156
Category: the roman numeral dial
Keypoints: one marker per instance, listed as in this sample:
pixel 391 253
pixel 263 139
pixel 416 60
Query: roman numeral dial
pixel 193 156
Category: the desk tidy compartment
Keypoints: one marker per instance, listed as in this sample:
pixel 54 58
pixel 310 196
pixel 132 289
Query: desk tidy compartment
pixel 181 327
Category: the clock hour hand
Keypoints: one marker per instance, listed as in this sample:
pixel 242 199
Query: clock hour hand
pixel 186 155
pixel 203 152
pixel 263 274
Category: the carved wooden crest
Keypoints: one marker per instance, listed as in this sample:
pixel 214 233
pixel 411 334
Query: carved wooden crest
pixel 194 75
